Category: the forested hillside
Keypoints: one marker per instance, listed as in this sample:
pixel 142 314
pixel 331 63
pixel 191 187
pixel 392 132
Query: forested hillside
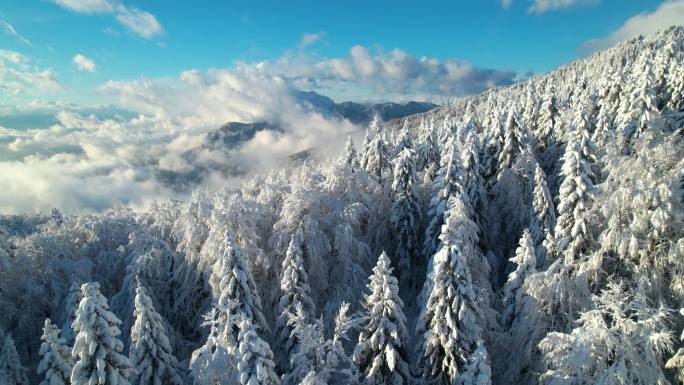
pixel 532 234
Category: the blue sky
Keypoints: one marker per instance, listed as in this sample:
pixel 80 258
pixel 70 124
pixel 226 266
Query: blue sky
pixel 493 34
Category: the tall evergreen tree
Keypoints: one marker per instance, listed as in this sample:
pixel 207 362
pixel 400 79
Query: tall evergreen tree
pixel 449 182
pixel 548 114
pixel 350 156
pixel 56 362
pixel 447 324
pixel 381 352
pixel 405 215
pixel 294 285
pixel 12 372
pixel 150 351
pixel 526 265
pixel 255 359
pixel 572 231
pixel 73 298
pixel 543 217
pixel 98 348
pixel 513 142
pixel 238 292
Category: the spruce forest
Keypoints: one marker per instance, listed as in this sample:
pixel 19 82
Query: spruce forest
pixel 531 234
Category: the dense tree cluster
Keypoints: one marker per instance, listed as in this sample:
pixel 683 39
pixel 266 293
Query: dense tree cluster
pixel 533 234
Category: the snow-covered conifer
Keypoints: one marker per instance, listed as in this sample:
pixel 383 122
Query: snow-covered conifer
pixel 238 292
pixel 12 372
pixel 447 324
pixel 572 232
pixel 73 298
pixel 381 352
pixel 526 265
pixel 97 349
pixel 255 359
pixel 150 351
pixel 406 211
pixel 56 362
pixel 294 285
pixel 449 182
pixel 620 341
pixel 513 142
pixel 350 156
pixel 543 216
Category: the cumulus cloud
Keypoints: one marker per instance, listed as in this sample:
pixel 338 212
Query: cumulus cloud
pixel 393 75
pixel 142 23
pixel 9 29
pixel 83 63
pixel 667 14
pixel 19 76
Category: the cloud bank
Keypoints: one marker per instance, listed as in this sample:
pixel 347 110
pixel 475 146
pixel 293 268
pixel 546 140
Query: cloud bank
pixel 19 76
pixel 89 159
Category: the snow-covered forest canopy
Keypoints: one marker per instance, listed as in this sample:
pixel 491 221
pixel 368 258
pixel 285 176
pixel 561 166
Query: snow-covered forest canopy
pixel 532 234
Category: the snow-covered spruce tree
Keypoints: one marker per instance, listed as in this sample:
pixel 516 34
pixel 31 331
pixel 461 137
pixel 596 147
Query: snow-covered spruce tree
pixel 294 285
pixel 325 357
pixel 478 370
pixel 238 294
pixel 426 148
pixel 406 211
pixel 405 141
pixel 447 324
pixel 350 156
pixel 376 156
pixel 526 265
pixel 73 298
pixel 150 351
pixel 381 352
pixel 97 349
pixel 572 230
pixel 543 217
pixel 449 182
pixel 12 372
pixel 212 363
pixel 513 142
pixel 56 362
pixel 676 362
pixel 640 105
pixel 621 341
pixel 474 185
pixel 255 359
pixel 548 113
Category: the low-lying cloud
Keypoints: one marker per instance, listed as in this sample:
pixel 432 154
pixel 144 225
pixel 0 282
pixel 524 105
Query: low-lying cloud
pixel 150 144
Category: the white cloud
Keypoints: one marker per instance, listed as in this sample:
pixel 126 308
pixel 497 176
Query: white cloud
pixel 9 29
pixel 142 23
pixel 83 160
pixel 86 6
pixel 310 38
pixel 381 75
pixel 667 14
pixel 541 6
pixel 83 63
pixel 18 76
